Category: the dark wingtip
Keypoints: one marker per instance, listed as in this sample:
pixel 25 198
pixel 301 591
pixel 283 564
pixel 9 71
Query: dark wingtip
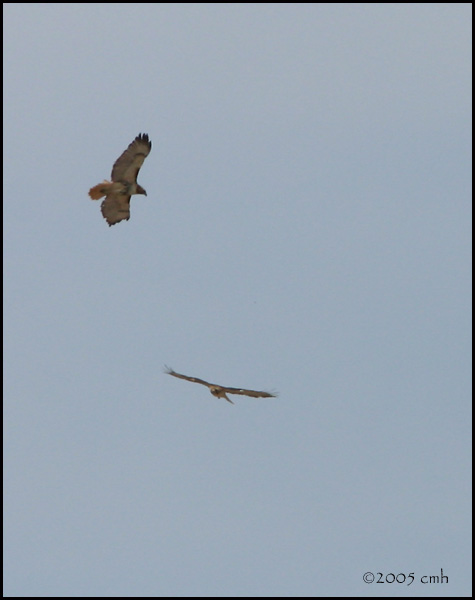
pixel 272 394
pixel 143 137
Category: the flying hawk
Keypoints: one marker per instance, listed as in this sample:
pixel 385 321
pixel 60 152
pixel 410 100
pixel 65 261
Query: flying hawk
pixel 116 206
pixel 219 390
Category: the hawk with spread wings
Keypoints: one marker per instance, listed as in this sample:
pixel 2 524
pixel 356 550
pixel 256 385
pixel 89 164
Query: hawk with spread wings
pixel 219 390
pixel 116 206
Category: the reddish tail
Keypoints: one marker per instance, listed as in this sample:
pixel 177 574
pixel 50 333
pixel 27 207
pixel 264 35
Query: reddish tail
pixel 99 190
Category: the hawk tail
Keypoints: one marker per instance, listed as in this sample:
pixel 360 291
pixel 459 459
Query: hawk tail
pixel 99 190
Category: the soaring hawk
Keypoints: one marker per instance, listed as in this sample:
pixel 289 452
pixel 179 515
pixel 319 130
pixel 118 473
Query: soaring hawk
pixel 219 390
pixel 116 206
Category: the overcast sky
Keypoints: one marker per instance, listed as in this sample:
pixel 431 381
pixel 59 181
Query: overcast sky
pixel 307 230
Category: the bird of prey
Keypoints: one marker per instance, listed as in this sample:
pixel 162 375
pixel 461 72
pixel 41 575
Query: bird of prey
pixel 116 206
pixel 220 391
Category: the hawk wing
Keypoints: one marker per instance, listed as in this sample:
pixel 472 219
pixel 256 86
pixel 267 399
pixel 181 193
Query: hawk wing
pixel 127 166
pixel 116 208
pixel 180 376
pixel 252 393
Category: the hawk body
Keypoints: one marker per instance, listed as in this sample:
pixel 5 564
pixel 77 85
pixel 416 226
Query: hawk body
pixel 123 184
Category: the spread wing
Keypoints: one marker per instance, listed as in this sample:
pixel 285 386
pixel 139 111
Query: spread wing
pixel 180 376
pixel 229 390
pixel 127 166
pixel 116 208
pixel 252 393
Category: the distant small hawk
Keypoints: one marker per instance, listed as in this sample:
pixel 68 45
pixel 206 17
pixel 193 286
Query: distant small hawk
pixel 116 206
pixel 219 390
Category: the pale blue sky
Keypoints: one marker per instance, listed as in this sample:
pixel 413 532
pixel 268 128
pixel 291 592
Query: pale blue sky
pixel 307 229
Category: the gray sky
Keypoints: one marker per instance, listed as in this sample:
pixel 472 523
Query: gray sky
pixel 306 229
